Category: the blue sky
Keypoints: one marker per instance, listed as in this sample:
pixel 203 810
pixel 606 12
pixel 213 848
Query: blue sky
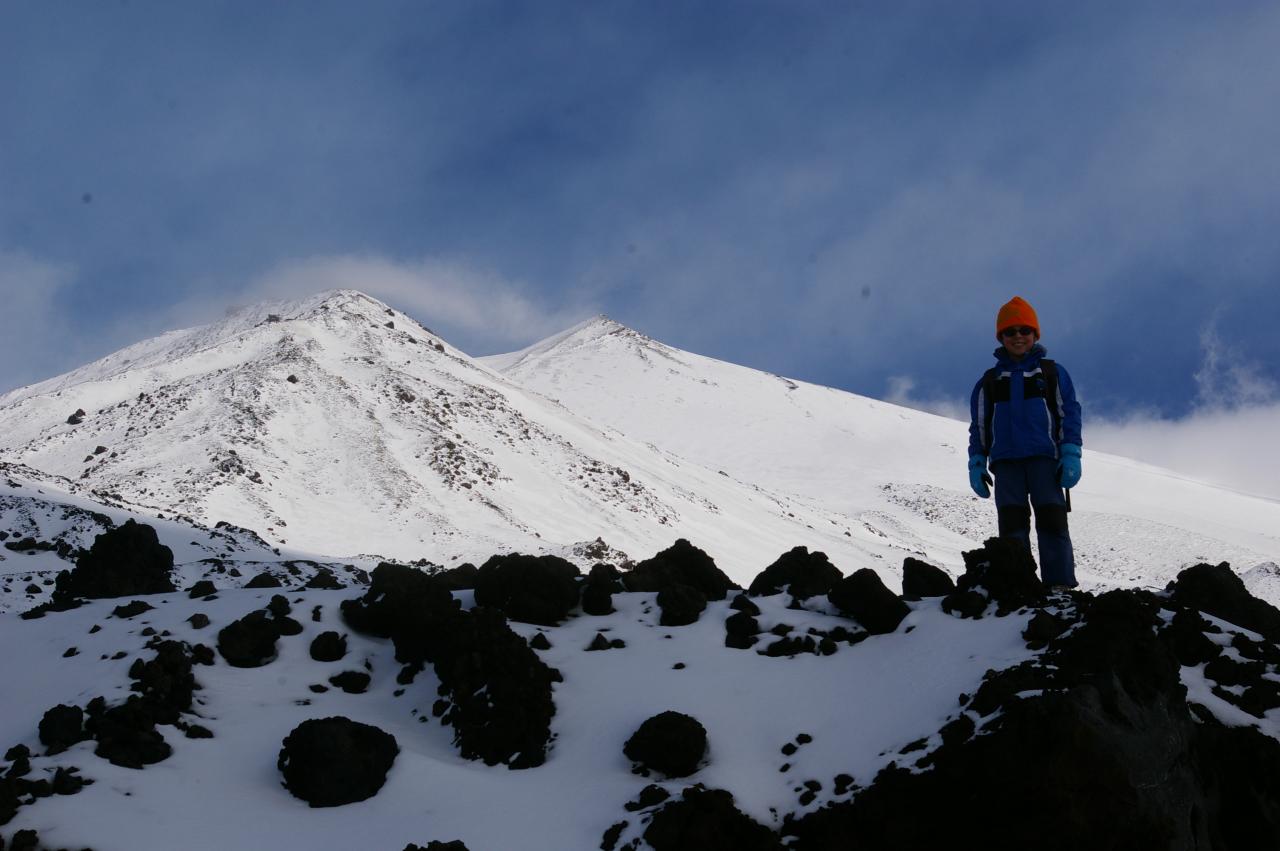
pixel 839 192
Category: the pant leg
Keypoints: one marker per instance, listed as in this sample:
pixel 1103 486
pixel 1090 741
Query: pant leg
pixel 1011 492
pixel 1057 557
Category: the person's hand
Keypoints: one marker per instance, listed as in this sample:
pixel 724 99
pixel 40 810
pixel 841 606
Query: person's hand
pixel 1069 466
pixel 978 478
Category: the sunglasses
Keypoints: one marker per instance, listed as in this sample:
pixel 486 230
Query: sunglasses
pixel 1024 330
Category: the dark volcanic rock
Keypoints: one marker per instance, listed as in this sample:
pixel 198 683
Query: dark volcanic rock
pixel 920 580
pixel 741 630
pixel 803 573
pixel 352 682
pixel 602 583
pixel 707 820
pixel 684 564
pixel 325 580
pixel 1093 746
pixel 131 610
pixel 681 605
pixel 437 845
pixel 263 580
pixel 460 578
pixel 328 647
pixel 125 561
pixel 496 692
pixel 404 604
pixel 61 727
pixel 1216 590
pixel 1002 571
pixel 1186 638
pixel 500 703
pixel 328 762
pixel 249 642
pixel 203 588
pixel 863 597
pixel 126 734
pixel 671 743
pixel 531 589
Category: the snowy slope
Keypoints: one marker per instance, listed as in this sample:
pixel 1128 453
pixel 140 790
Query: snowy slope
pixel 337 427
pixel 897 470
pixel 432 793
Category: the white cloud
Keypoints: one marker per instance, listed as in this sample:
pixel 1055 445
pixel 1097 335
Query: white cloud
pixel 1231 437
pixel 1238 449
pixel 902 391
pixel 34 330
pixel 1227 380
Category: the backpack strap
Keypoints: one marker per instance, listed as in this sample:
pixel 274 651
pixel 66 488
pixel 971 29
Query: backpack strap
pixel 988 406
pixel 1049 370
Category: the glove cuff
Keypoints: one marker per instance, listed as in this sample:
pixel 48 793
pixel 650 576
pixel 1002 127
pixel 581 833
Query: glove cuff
pixel 1071 449
pixel 977 462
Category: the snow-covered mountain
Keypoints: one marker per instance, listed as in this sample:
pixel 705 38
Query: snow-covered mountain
pixel 337 426
pixel 895 470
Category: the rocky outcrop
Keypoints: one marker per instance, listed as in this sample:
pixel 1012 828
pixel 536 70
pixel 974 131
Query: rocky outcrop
pixel 123 562
pixel 680 564
pixel 802 573
pixel 531 589
pixel 864 597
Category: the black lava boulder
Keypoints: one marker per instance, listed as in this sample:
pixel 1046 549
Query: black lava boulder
pixel 802 573
pixel 122 562
pixel 328 647
pixel 531 589
pixel 61 727
pixel 249 642
pixel 681 605
pixel 707 820
pixel 1216 590
pixel 1002 572
pixel 920 580
pixel 681 563
pixel 864 597
pixel 328 762
pixel 671 743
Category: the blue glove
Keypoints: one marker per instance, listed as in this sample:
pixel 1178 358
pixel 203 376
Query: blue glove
pixel 1069 465
pixel 978 478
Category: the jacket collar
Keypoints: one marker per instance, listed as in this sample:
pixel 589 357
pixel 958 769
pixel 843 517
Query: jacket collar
pixel 1028 362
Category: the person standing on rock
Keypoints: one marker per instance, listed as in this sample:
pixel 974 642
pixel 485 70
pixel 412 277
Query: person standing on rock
pixel 1025 427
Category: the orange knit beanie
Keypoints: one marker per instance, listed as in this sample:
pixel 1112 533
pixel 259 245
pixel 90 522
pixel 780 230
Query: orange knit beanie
pixel 1016 312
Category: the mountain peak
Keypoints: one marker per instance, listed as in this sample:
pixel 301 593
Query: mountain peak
pixel 597 331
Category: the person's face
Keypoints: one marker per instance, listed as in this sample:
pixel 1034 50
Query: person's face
pixel 1017 343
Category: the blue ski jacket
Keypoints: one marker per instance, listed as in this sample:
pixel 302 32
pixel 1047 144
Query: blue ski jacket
pixel 1019 420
